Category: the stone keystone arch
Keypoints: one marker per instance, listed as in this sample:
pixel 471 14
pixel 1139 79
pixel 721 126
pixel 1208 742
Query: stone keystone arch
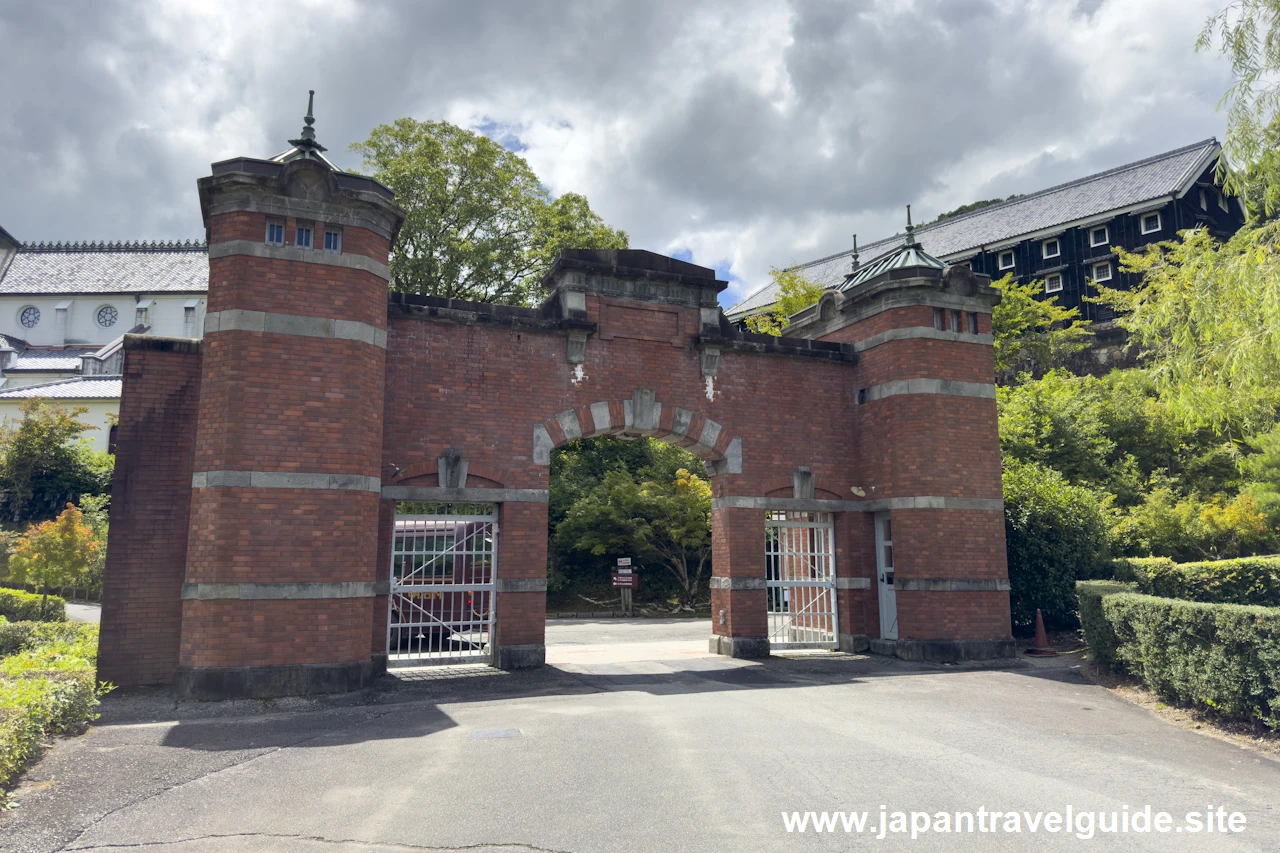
pixel 642 415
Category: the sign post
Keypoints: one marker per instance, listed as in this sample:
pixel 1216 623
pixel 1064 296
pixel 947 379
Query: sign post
pixel 625 580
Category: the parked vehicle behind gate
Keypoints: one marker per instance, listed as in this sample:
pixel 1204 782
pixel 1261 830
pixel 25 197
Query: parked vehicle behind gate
pixel 441 601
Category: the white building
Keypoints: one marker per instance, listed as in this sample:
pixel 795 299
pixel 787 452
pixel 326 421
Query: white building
pixel 65 308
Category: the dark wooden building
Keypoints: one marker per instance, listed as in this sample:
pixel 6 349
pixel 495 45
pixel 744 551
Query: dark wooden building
pixel 1063 236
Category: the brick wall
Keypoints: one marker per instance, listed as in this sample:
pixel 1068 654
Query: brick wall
pixel 150 496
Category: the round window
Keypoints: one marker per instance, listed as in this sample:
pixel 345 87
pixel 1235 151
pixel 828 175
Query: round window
pixel 30 316
pixel 107 316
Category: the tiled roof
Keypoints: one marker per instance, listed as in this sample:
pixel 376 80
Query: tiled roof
pixel 66 268
pixel 51 359
pixel 68 389
pixel 1125 186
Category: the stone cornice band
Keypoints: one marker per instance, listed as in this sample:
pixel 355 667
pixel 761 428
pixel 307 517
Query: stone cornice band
pixel 853 583
pixel 930 386
pixel 283 591
pixel 737 583
pixel 284 480
pixel 873 505
pixel 254 249
pixel 294 324
pixel 521 585
pixel 921 332
pixel 442 494
pixel 951 584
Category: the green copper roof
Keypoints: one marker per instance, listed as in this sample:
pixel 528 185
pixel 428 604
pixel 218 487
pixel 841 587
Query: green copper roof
pixel 911 254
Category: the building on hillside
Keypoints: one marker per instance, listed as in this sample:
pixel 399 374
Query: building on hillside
pixel 1063 236
pixel 65 308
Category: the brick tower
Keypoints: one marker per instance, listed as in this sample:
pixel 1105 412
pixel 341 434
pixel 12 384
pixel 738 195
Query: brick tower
pixel 929 534
pixel 278 594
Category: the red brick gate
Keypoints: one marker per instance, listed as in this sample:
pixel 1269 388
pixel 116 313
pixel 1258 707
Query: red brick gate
pixel 258 470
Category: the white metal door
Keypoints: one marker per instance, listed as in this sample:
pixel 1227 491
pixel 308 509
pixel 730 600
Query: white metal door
pixel 800 580
pixel 442 589
pixel 884 577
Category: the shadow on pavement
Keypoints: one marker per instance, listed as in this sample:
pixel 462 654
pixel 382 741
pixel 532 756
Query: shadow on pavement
pixel 407 703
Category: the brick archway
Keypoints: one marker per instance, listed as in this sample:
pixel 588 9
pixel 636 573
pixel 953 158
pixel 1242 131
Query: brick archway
pixel 643 415
pixel 317 400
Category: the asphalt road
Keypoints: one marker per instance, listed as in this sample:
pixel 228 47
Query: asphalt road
pixel 84 612
pixel 658 753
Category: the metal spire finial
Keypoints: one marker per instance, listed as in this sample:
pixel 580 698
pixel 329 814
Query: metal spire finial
pixel 911 230
pixel 306 143
pixel 855 252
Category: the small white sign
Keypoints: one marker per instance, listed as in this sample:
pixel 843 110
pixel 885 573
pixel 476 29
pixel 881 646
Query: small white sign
pixel 624 561
pixel 622 571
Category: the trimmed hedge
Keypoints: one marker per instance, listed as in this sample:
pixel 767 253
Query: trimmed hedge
pixel 1248 580
pixel 47 686
pixel 1224 658
pixel 17 605
pixel 1097 631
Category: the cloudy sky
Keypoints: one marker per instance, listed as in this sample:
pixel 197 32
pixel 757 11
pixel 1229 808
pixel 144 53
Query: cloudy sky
pixel 741 134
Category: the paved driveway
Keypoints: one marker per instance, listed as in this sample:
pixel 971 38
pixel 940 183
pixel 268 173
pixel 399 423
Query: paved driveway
pixel 84 612
pixel 664 753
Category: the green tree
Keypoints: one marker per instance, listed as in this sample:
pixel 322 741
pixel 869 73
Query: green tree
pixel 1055 534
pixel 1034 335
pixel 98 518
pixel 1207 318
pixel 1263 469
pixel 43 463
pixel 1189 527
pixel 667 523
pixel 568 222
pixel 795 293
pixel 1113 433
pixel 970 207
pixel 54 554
pixel 1247 32
pixel 478 223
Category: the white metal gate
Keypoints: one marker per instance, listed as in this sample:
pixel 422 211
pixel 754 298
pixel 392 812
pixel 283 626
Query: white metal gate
pixel 800 580
pixel 442 589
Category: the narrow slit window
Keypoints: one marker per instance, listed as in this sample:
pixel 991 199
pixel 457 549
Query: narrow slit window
pixel 955 321
pixel 332 240
pixel 302 236
pixel 939 319
pixel 973 322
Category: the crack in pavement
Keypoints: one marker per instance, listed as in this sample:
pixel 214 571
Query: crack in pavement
pixel 376 845
pixel 210 773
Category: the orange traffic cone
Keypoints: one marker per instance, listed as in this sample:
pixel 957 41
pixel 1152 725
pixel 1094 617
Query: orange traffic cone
pixel 1041 648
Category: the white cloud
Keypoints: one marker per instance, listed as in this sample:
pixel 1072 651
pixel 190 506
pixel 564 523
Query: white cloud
pixel 750 135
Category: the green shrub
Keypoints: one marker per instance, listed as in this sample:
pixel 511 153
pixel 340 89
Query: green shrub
pixel 1224 658
pixel 1055 534
pixel 46 686
pixel 1097 631
pixel 1248 580
pixel 17 605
